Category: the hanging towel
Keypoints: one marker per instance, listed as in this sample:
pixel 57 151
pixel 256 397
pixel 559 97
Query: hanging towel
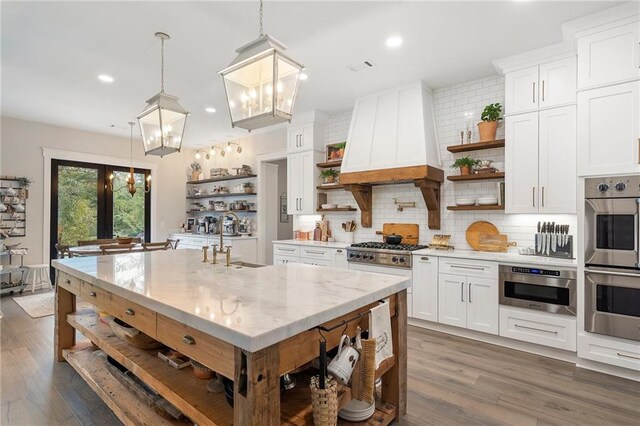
pixel 380 329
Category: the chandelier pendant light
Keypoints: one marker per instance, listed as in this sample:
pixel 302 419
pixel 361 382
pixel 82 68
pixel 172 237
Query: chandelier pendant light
pixel 131 177
pixel 261 83
pixel 163 121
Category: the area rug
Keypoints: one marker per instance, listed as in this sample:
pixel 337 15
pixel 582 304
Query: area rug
pixel 41 305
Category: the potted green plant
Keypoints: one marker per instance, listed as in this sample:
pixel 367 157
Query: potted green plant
pixel 24 183
pixel 465 164
pixel 329 176
pixel 487 128
pixel 248 187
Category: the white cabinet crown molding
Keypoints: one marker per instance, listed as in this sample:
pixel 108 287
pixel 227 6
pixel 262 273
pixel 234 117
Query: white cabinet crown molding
pixel 602 20
pixel 534 57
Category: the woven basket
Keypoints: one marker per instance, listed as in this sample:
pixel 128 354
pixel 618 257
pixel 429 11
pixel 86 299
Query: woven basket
pixel 324 402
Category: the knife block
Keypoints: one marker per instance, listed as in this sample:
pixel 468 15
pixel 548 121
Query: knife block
pixel 562 252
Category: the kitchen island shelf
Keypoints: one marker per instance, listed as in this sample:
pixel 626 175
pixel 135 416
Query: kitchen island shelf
pixel 477 176
pixel 329 164
pixel 476 208
pixel 230 194
pixel 478 146
pixel 220 179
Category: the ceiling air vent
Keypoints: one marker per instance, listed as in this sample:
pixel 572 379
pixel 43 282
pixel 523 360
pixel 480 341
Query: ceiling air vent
pixel 359 66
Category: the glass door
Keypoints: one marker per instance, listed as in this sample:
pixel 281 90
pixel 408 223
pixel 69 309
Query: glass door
pixel 129 214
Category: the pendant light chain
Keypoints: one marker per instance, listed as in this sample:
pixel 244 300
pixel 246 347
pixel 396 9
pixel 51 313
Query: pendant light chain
pixel 162 65
pixel 261 31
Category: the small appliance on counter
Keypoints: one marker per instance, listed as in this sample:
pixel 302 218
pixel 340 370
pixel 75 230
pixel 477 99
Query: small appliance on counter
pixel 230 226
pixel 245 227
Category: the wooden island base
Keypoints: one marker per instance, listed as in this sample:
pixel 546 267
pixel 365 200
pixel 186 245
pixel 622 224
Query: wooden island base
pixel 257 399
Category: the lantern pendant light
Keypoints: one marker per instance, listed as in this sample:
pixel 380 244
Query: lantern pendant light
pixel 261 83
pixel 163 121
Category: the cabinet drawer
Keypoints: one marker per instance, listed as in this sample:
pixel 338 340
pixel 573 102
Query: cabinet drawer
pixel 471 268
pixel 133 314
pixel 556 331
pixel 207 350
pixel 316 262
pixel 315 253
pixel 197 242
pixel 96 296
pixel 69 282
pixel 286 250
pixel 621 354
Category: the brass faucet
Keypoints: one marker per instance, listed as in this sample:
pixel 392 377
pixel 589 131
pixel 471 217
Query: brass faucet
pixel 228 256
pixel 214 250
pixel 229 212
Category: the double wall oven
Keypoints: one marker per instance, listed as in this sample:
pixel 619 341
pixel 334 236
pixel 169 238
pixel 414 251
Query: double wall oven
pixel 612 256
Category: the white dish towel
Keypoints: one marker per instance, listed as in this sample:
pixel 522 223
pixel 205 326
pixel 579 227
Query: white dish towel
pixel 380 329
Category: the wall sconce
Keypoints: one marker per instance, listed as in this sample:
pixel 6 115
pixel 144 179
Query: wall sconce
pixel 212 152
pixel 229 147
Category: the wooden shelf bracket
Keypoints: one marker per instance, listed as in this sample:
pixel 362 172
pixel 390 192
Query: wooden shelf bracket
pixel 431 192
pixel 363 196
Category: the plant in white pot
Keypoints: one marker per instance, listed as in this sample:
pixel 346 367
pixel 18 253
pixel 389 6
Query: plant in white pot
pixel 488 127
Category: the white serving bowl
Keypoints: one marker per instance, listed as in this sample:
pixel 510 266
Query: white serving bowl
pixel 328 206
pixel 465 202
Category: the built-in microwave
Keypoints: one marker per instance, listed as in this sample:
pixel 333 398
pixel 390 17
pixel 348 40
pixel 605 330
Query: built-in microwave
pixel 612 303
pixel 611 217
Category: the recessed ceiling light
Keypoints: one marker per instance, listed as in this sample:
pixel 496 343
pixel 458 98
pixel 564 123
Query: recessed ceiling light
pixel 394 41
pixel 303 76
pixel 210 109
pixel 105 78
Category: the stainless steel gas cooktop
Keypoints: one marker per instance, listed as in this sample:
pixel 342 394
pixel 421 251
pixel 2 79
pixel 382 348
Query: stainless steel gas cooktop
pixel 377 253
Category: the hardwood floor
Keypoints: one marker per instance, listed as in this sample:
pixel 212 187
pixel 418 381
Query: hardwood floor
pixel 452 381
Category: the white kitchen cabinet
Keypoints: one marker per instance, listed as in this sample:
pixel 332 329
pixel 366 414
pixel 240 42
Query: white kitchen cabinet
pixel 609 57
pixel 425 288
pixel 305 137
pixel 302 176
pixel 452 305
pixel 340 259
pixel 468 297
pixel 315 262
pixel 482 305
pixel 540 162
pixel 521 91
pixel 609 130
pixel 286 250
pixel 557 174
pixel 283 260
pixel 542 328
pixel 541 86
pixel 608 350
pixel 521 163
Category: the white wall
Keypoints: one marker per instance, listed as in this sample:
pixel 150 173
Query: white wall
pixel 455 107
pixel 21 144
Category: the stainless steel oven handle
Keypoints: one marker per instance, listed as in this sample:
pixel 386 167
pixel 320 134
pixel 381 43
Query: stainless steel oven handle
pixel 628 356
pixel 637 231
pixel 606 272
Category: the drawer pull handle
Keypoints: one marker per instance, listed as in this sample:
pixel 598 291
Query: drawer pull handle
pixel 315 252
pixel 628 356
pixel 536 329
pixel 283 249
pixel 130 311
pixel 477 268
pixel 67 281
pixel 424 258
pixel 339 251
pixel 92 294
pixel 189 340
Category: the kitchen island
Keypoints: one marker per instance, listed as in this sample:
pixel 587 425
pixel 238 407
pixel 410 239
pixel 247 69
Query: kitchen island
pixel 249 324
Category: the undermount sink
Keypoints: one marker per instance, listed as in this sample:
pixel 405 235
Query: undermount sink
pixel 246 265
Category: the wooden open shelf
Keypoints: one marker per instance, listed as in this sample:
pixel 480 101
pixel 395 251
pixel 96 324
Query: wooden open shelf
pixel 330 164
pixel 230 194
pixel 498 143
pixel 336 210
pixel 220 179
pixel 329 187
pixel 479 176
pixel 470 208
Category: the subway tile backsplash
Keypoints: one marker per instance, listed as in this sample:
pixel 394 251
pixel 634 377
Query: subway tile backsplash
pixel 458 108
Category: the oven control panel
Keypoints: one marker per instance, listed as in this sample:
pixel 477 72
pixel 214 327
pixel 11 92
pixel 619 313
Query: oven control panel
pixel 535 271
pixel 613 187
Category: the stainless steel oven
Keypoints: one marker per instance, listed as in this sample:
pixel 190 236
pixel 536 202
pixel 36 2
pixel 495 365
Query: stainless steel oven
pixel 612 303
pixel 611 216
pixel 550 290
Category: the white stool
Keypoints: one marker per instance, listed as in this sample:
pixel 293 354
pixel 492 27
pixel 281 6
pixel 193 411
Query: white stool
pixel 38 274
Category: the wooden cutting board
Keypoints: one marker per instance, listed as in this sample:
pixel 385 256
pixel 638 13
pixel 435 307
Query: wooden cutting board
pixel 409 231
pixel 493 243
pixel 480 227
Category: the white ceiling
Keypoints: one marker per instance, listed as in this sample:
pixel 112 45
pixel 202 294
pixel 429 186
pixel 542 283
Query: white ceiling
pixel 52 52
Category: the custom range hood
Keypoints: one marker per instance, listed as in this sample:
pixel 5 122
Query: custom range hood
pixel 392 139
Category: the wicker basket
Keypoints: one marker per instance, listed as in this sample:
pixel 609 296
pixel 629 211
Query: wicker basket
pixel 324 402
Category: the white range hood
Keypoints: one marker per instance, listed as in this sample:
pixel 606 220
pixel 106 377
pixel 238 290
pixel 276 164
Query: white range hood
pixel 392 139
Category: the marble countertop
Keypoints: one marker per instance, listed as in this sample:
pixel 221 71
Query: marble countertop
pixel 334 244
pixel 510 258
pixel 187 235
pixel 251 308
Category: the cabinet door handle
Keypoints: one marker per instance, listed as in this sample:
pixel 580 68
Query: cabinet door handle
pixel 543 196
pixel 338 251
pixel 534 92
pixel 302 140
pixel 297 141
pixel 542 90
pixel 424 258
pixel 536 329
pixel 301 203
pixel 130 312
pixel 628 356
pixel 462 291
pixel 188 340
pixel 92 294
pixel 469 292
pixel 67 281
pixel 533 195
pixel 638 150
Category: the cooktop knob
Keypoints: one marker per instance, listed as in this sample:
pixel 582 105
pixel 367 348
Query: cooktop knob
pixel 603 187
pixel 403 260
pixel 358 256
pixel 394 259
pixel 620 186
pixel 352 255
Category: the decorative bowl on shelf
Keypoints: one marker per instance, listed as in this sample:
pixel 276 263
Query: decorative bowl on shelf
pixel 465 202
pixel 328 206
pixel 487 201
